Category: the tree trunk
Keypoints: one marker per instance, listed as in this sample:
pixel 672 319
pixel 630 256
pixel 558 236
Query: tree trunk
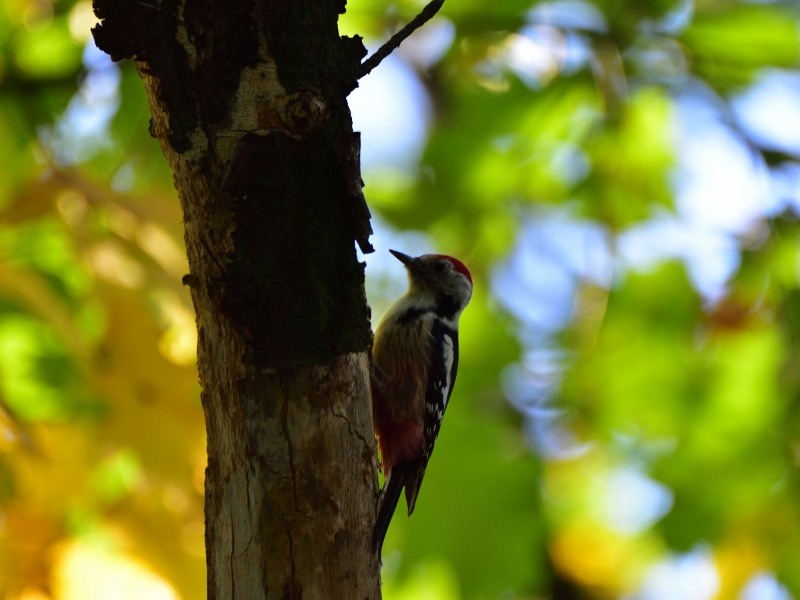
pixel 248 104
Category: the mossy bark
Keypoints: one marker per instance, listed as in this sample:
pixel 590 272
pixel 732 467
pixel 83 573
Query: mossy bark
pixel 248 104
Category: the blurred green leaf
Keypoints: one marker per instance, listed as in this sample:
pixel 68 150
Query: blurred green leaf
pixel 726 48
pixel 48 51
pixel 117 476
pixel 29 357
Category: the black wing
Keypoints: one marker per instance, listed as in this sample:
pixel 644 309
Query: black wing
pixel 442 370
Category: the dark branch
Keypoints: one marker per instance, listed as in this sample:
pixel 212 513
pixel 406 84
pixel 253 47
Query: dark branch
pixel 426 15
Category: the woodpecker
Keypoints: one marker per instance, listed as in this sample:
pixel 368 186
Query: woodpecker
pixel 416 360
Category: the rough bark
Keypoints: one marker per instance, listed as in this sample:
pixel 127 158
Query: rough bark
pixel 248 104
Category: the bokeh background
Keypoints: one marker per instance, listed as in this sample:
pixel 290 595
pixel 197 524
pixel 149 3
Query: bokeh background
pixel 622 178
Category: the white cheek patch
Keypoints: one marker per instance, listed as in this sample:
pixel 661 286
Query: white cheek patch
pixel 449 356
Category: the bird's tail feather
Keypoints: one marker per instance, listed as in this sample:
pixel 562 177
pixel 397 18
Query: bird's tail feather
pixel 390 495
pixel 413 483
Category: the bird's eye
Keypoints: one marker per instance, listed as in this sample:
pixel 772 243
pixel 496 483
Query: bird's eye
pixel 440 266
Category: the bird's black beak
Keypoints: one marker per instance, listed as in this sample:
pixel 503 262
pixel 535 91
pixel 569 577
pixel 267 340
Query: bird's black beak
pixel 407 260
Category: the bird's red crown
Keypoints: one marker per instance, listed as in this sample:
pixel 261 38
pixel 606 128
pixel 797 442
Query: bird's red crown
pixel 457 265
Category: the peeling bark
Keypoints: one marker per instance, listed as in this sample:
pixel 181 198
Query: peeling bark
pixel 248 103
